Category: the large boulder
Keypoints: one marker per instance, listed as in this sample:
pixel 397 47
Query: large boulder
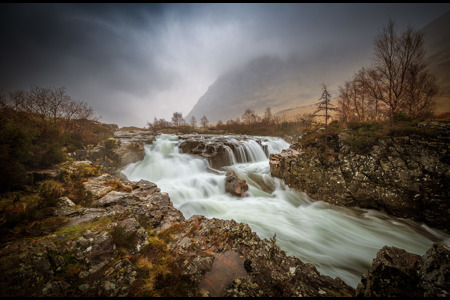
pixel 234 185
pixel 397 273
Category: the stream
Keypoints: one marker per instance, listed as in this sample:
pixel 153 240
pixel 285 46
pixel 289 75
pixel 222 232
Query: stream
pixel 340 242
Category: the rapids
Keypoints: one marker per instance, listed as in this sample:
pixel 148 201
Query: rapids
pixel 340 242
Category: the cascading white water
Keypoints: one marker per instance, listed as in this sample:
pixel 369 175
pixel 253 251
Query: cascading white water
pixel 338 241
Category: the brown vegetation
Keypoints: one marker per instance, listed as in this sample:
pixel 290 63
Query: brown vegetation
pixel 38 128
pixel 397 82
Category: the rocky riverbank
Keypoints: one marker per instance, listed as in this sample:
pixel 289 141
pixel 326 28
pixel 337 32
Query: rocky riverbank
pixel 131 241
pixel 405 176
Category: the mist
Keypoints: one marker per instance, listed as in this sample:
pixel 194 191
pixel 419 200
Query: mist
pixel 134 62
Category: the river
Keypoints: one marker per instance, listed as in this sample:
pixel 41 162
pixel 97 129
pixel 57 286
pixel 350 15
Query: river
pixel 340 242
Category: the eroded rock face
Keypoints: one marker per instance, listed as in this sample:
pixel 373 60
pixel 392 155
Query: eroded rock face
pixel 403 176
pixel 218 151
pixel 207 256
pixel 133 240
pixel 397 273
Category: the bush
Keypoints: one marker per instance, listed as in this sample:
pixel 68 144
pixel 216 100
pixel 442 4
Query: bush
pixel 110 143
pixel 402 117
pixel 50 190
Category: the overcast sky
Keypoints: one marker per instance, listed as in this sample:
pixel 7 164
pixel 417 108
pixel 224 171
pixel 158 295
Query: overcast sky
pixel 134 62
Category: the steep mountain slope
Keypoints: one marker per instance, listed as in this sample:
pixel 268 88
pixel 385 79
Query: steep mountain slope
pixel 271 82
pixel 437 45
pixel 291 86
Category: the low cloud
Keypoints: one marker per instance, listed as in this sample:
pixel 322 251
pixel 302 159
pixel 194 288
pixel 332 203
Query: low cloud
pixel 134 62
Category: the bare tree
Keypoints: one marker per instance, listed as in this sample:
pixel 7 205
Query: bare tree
pixel 193 121
pixel 18 101
pixel 249 116
pixel 375 94
pixel 394 57
pixel 344 104
pixel 158 124
pixel 267 115
pixel 177 119
pixel 421 90
pixel 204 121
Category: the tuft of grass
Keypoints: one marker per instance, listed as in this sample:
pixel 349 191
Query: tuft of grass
pixel 168 234
pixel 51 190
pixel 118 185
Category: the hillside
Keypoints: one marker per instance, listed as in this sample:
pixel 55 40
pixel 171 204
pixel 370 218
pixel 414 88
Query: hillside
pixel 292 85
pixel 270 82
pixel 437 44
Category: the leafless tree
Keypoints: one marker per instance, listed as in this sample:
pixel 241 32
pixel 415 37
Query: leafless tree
pixel 398 62
pixel 193 121
pixel 177 119
pixel 249 116
pixel 158 124
pixel 204 121
pixel 421 90
pixel 267 115
pixel 344 105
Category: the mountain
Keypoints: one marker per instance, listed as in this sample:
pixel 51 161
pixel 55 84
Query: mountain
pixel 271 82
pixel 290 86
pixel 437 57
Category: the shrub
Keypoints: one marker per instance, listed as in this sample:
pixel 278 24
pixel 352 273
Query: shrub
pixel 110 143
pixel 402 117
pixel 51 190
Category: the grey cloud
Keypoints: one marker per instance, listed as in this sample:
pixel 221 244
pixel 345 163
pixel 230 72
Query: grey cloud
pixel 134 62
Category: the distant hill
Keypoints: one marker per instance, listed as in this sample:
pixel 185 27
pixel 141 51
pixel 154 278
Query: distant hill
pixel 270 82
pixel 291 86
pixel 437 45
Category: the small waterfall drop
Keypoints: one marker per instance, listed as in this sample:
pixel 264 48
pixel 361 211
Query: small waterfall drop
pixel 338 241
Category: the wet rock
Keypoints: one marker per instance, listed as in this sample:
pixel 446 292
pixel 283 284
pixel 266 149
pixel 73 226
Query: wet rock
pixel 114 198
pixel 187 258
pixel 402 176
pixel 234 185
pixel 435 271
pixel 393 274
pixel 97 185
pixel 397 273
pixel 220 151
pixel 227 267
pixel 64 207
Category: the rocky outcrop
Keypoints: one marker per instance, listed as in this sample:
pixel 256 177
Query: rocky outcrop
pixel 136 243
pixel 126 147
pixel 404 176
pixel 219 151
pixel 234 185
pixel 397 273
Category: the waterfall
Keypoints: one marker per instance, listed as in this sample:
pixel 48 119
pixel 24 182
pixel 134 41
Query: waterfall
pixel 231 158
pixel 339 241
